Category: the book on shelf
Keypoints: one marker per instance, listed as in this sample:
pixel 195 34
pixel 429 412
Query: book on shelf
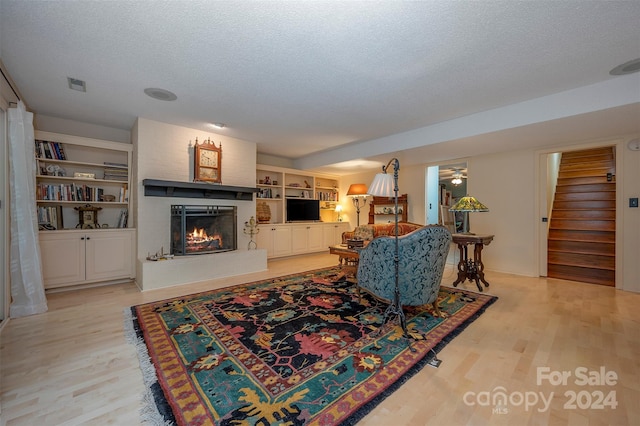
pixel 68 192
pixel 122 219
pixel 50 150
pixel 109 163
pixel 50 218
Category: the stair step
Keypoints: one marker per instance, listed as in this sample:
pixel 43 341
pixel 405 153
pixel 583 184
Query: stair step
pixel 580 196
pixel 587 187
pixel 602 172
pixel 606 150
pixel 586 224
pixel 582 247
pixel 579 214
pixel 588 275
pixel 586 165
pixel 584 204
pixel 582 260
pixel 585 236
pixel 583 180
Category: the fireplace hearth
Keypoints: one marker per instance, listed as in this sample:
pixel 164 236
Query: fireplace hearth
pixel 203 229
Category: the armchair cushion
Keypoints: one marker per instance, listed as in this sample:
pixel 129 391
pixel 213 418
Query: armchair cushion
pixel 363 232
pixel 422 258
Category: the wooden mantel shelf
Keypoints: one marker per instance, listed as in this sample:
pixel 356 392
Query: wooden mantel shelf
pixel 168 188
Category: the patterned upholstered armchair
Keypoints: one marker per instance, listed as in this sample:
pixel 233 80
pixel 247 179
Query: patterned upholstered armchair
pixel 423 255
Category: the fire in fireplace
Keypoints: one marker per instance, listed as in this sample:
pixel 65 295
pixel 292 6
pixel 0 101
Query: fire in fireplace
pixel 203 229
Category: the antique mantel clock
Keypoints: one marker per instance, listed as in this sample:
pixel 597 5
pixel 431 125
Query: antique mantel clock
pixel 208 159
pixel 88 216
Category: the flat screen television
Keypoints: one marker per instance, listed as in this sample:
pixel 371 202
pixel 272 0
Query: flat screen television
pixel 302 209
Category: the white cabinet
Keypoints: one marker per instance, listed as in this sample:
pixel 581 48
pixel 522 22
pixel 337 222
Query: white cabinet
pixel 306 238
pixel 290 239
pixel 332 233
pixel 276 239
pixel 86 256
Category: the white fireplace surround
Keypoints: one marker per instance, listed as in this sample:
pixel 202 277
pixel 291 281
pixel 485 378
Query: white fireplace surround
pixel 163 151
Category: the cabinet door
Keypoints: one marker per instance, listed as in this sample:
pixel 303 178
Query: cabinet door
pixel 264 239
pixel 109 255
pixel 299 239
pixel 282 241
pixel 63 258
pixel 314 238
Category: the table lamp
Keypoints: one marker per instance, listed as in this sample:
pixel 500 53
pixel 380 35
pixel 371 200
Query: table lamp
pixel 339 211
pixel 465 205
pixel 359 193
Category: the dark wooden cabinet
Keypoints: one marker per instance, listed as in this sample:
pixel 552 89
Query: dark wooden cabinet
pixel 382 209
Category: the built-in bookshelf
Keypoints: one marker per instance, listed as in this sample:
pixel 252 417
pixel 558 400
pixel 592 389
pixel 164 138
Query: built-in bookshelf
pixel 276 184
pixel 72 172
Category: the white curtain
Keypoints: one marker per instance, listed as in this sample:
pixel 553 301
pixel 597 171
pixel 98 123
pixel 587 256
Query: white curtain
pixel 27 287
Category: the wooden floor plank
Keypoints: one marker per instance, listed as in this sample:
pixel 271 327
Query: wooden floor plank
pixel 72 365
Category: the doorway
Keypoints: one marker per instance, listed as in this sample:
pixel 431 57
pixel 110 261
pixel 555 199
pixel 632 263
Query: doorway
pixel 579 241
pixel 445 184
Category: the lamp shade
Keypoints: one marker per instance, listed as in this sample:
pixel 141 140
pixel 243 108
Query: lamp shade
pixel 382 185
pixel 468 204
pixel 357 189
pixel 338 208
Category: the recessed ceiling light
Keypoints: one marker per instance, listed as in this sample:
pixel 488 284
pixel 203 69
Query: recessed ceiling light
pixel 76 84
pixel 219 125
pixel 626 68
pixel 160 94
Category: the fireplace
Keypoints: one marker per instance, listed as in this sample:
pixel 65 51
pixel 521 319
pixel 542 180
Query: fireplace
pixel 203 229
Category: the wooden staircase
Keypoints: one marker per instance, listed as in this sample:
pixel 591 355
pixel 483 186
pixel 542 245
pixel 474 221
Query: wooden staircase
pixel 582 230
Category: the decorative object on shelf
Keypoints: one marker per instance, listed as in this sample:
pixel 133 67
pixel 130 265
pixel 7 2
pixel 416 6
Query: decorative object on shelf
pixel 84 175
pixel 386 185
pixel 55 170
pixel 263 212
pixel 251 229
pixel 87 216
pixel 208 160
pixel 108 198
pixel 358 192
pixel 465 205
pixel 339 211
pixel 267 180
pixel 306 184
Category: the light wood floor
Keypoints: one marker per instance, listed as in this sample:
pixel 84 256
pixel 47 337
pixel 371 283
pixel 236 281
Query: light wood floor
pixel 72 366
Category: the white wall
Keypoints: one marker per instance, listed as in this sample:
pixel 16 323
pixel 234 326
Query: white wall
pixel 628 186
pixel 506 183
pixel 163 151
pixel 77 128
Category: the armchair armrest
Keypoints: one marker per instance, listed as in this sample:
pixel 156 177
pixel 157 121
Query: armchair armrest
pixel 347 235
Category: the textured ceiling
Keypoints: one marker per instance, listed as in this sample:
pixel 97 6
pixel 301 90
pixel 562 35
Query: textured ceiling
pixel 300 78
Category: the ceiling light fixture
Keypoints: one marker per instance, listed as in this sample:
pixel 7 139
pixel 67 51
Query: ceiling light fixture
pixel 77 84
pixel 457 178
pixel 627 68
pixel 219 125
pixel 160 94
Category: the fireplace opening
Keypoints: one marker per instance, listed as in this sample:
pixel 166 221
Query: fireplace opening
pixel 203 229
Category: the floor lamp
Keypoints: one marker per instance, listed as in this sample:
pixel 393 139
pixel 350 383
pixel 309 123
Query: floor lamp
pixel 386 185
pixel 359 192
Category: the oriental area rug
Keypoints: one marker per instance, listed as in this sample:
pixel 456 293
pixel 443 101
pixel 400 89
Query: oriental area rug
pixel 296 350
